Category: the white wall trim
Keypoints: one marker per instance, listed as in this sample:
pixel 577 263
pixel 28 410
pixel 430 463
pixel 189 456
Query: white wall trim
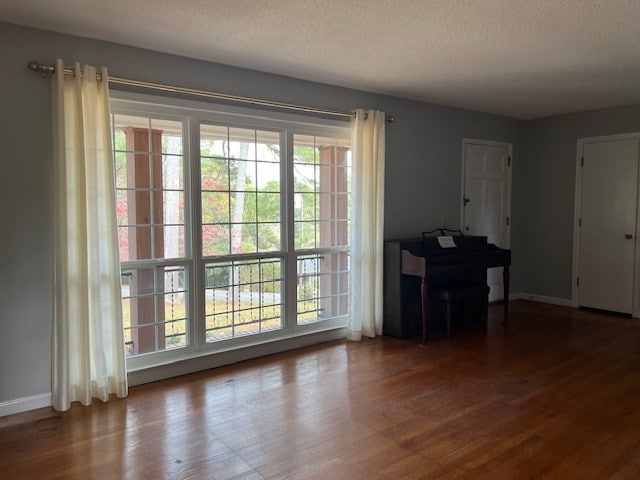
pixel 563 302
pixel 25 404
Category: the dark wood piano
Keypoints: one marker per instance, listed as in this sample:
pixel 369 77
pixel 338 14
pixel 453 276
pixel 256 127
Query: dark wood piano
pixel 413 266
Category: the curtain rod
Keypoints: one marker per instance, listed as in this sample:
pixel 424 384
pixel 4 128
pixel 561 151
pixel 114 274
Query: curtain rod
pixel 43 68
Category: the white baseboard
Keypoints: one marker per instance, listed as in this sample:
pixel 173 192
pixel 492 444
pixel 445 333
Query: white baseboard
pixel 25 404
pixel 563 302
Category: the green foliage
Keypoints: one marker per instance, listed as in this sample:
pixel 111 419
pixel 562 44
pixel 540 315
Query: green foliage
pixel 304 154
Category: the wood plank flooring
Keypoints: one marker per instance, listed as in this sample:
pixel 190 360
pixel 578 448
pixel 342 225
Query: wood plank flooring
pixel 555 396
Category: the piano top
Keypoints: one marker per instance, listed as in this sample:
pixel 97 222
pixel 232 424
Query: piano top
pixel 418 253
pixel 429 246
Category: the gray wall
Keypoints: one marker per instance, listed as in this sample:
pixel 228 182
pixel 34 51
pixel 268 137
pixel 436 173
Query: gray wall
pixel 422 176
pixel 544 192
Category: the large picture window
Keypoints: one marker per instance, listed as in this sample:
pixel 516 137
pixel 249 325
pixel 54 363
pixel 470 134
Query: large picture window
pixel 231 227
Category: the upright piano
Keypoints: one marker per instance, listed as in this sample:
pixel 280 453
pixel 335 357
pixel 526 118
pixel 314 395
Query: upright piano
pixel 413 266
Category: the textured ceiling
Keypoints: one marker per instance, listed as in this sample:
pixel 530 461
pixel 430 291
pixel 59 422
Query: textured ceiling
pixel 520 58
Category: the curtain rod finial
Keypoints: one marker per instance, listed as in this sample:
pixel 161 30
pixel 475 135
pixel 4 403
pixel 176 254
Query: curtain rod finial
pixel 39 67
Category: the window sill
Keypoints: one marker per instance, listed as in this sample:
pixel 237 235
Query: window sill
pixel 191 362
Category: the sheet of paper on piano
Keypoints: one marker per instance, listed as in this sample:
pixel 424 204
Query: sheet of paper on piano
pixel 447 242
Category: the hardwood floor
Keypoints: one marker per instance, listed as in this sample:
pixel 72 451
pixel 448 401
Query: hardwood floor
pixel 555 396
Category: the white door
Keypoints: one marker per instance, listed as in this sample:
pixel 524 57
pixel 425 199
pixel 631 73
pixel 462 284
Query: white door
pixel 607 225
pixel 486 199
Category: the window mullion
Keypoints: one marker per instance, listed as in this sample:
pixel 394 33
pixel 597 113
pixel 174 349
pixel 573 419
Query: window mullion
pixel 193 218
pixel 290 260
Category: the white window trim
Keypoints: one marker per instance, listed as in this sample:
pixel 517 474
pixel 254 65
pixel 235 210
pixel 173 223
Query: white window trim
pixel 167 363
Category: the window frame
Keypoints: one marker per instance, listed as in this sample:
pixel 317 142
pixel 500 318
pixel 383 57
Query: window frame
pixel 193 114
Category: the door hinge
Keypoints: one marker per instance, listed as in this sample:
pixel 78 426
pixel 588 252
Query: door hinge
pixel 507 220
pixel 508 161
pixel 577 281
pixel 582 162
pixel 580 222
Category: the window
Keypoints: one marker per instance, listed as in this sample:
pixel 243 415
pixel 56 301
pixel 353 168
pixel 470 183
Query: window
pixel 232 228
pixel 149 166
pixel 321 173
pixel 240 174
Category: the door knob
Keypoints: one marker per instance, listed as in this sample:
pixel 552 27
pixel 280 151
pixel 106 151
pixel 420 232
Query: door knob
pixel 465 200
pixel 628 236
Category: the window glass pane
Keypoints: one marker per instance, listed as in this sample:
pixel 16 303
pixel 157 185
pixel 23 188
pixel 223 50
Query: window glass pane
pixel 304 149
pixel 216 240
pixel 244 238
pixel 242 298
pixel 243 175
pixel 242 144
pixel 135 243
pixel 243 207
pixel 171 135
pixel 122 207
pixel 123 243
pixel 268 237
pixel 214 174
pixel 343 178
pixel 305 206
pixel 121 168
pixel 172 208
pixel 344 206
pixel 171 169
pixel 268 146
pixel 305 235
pixel 305 178
pixel 268 207
pixel 215 207
pixel 169 241
pixel 214 141
pixel 119 143
pixel 267 177
pixel 308 289
pixel 326 151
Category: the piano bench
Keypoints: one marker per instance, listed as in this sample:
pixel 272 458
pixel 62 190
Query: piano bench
pixel 454 294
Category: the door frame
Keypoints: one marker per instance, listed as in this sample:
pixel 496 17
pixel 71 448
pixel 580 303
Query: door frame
pixel 507 190
pixel 635 305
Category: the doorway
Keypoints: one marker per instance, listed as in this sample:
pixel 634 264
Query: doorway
pixel 606 215
pixel 486 198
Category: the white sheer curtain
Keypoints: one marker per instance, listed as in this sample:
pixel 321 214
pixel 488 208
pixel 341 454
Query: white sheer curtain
pixel 87 339
pixel 367 145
